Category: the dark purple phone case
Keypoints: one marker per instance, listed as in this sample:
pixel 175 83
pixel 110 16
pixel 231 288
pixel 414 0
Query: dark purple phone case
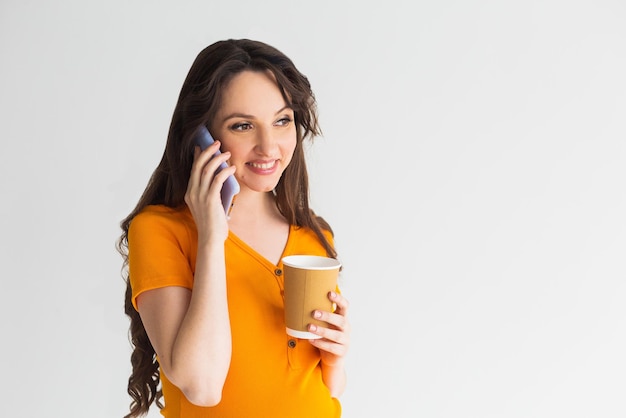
pixel 230 188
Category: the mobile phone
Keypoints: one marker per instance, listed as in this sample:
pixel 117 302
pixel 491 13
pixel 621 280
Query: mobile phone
pixel 230 188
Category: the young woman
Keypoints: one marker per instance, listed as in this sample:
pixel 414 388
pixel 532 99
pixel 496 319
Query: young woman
pixel 204 292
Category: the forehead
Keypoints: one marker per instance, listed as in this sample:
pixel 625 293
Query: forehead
pixel 252 89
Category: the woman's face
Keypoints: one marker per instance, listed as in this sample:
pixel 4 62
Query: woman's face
pixel 257 127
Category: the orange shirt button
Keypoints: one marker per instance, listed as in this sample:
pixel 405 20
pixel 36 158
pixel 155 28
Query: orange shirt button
pixel 278 272
pixel 291 343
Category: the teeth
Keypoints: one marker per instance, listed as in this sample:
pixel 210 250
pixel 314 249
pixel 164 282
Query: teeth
pixel 263 166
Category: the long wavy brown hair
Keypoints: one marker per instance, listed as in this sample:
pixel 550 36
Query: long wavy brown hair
pixel 198 103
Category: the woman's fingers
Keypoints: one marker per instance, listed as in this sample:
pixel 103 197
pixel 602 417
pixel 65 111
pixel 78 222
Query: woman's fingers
pixel 335 337
pixel 200 159
pixel 203 175
pixel 330 346
pixel 210 177
pixel 338 336
pixel 341 302
pixel 335 320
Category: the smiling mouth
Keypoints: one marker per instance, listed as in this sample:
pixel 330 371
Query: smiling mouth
pixel 264 166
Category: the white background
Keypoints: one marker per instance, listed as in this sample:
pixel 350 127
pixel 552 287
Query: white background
pixel 472 166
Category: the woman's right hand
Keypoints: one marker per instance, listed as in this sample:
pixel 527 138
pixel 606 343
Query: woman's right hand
pixel 203 193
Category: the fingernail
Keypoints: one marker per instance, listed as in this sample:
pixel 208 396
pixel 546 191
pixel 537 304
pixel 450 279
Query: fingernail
pixel 312 328
pixel 317 314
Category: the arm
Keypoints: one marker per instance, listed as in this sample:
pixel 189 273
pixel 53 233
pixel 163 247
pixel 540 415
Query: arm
pixel 190 330
pixel 334 344
pixel 334 378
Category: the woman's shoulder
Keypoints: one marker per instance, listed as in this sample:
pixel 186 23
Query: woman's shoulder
pixel 305 233
pixel 161 216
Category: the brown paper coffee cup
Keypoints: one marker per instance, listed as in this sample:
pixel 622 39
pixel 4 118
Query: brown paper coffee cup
pixel 308 279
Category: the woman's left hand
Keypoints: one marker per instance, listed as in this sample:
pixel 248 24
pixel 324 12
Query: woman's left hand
pixel 335 339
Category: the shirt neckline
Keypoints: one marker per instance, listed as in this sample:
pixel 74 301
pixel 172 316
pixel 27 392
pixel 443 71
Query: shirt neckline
pixel 244 246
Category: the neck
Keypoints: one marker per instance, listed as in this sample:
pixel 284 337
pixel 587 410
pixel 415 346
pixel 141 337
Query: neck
pixel 252 207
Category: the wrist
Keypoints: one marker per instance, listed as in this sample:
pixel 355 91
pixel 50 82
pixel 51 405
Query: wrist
pixel 211 242
pixel 334 364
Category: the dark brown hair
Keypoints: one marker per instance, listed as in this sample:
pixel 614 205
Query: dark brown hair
pixel 198 103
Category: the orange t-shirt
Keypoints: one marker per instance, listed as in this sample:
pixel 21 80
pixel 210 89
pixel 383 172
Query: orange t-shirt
pixel 271 374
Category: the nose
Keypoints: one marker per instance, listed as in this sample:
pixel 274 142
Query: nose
pixel 266 142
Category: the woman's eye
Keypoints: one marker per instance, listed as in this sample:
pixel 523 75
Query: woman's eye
pixel 241 126
pixel 283 121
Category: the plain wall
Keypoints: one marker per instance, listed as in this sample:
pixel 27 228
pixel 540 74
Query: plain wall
pixel 472 165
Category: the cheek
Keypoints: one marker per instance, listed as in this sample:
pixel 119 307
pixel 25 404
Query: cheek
pixel 235 151
pixel 288 150
pixel 289 142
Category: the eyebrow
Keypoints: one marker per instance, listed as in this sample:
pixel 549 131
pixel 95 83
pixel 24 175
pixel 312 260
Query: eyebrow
pixel 246 116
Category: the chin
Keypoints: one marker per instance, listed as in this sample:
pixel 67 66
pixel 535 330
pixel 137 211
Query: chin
pixel 263 188
pixel 261 185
